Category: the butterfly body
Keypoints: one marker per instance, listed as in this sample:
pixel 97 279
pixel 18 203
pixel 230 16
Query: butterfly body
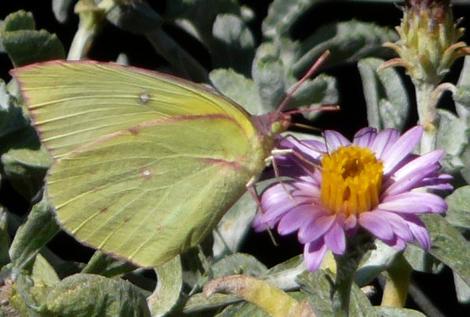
pixel 145 164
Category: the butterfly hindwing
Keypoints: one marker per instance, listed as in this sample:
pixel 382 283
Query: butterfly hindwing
pixel 145 164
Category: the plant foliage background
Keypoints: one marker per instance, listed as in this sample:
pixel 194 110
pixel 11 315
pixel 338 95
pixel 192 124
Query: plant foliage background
pixel 252 51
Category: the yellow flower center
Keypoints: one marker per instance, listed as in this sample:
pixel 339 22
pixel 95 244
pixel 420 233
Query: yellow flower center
pixel 351 180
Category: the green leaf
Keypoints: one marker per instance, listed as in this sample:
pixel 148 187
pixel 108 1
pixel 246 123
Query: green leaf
pixel 25 162
pixel 397 312
pixel 385 94
pixel 233 45
pixel 318 288
pixel 283 14
pixel 43 273
pixel 167 292
pixel 238 263
pixel 84 295
pixel 4 237
pixel 348 42
pixel 20 20
pixel 38 229
pixel 284 275
pixel 242 310
pixel 462 95
pixel 61 9
pixel 420 260
pixel 269 76
pixel 28 46
pixel 320 90
pixel 376 261
pixel 239 88
pixel 462 289
pixel 261 293
pixel 197 16
pixel 449 246
pixel 452 135
pixel 458 213
pixel 360 304
pixel 233 227
pixel 107 266
pixel 133 16
pixel 200 302
pixel 11 116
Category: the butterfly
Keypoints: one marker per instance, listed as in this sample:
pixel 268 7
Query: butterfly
pixel 145 164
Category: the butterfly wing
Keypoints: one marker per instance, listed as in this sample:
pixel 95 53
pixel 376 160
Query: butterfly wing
pixel 145 164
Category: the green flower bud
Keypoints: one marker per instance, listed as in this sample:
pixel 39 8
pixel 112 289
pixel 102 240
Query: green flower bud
pixel 429 41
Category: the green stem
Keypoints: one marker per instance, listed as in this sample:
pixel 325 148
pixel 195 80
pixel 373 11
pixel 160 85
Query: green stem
pixel 427 114
pixel 346 266
pixel 397 283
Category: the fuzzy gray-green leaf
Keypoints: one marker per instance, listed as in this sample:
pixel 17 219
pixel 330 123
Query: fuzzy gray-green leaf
pixel 269 74
pixel 4 237
pixel 449 246
pixel 20 20
pixel 348 42
pixel 61 9
pixel 134 16
pixel 458 213
pixel 283 14
pixel 385 94
pixel 452 135
pixel 397 312
pixel 462 289
pixel 30 46
pixel 167 292
pixel 39 228
pixel 318 287
pixel 242 310
pixel 234 225
pixel 233 45
pixel 25 161
pixel 87 295
pixel 239 88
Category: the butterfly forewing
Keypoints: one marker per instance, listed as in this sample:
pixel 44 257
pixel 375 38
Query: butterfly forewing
pixel 145 164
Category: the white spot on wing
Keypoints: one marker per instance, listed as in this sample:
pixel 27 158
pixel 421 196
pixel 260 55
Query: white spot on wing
pixel 144 97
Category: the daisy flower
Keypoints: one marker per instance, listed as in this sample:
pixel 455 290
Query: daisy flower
pixel 337 187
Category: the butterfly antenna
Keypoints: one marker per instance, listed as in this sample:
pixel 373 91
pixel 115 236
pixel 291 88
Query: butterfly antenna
pixel 325 107
pixel 307 75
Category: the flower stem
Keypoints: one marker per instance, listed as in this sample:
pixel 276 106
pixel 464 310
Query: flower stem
pixel 346 266
pixel 427 114
pixel 397 283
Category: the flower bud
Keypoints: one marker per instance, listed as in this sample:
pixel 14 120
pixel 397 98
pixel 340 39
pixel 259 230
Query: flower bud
pixel 429 41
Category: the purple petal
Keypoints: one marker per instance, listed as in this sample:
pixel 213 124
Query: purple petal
pixel 313 254
pixel 413 203
pixel 335 239
pixel 414 171
pixel 334 140
pixel 419 231
pixel 383 141
pixel 312 149
pixel 350 222
pixel 401 148
pixel 376 225
pixel 440 182
pixel 398 224
pixel 396 243
pixel 296 217
pixel 365 137
pixel 315 229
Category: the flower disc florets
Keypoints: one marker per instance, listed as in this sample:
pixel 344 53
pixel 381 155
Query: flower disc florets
pixel 337 187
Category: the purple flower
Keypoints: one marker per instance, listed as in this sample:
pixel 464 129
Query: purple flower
pixel 339 186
